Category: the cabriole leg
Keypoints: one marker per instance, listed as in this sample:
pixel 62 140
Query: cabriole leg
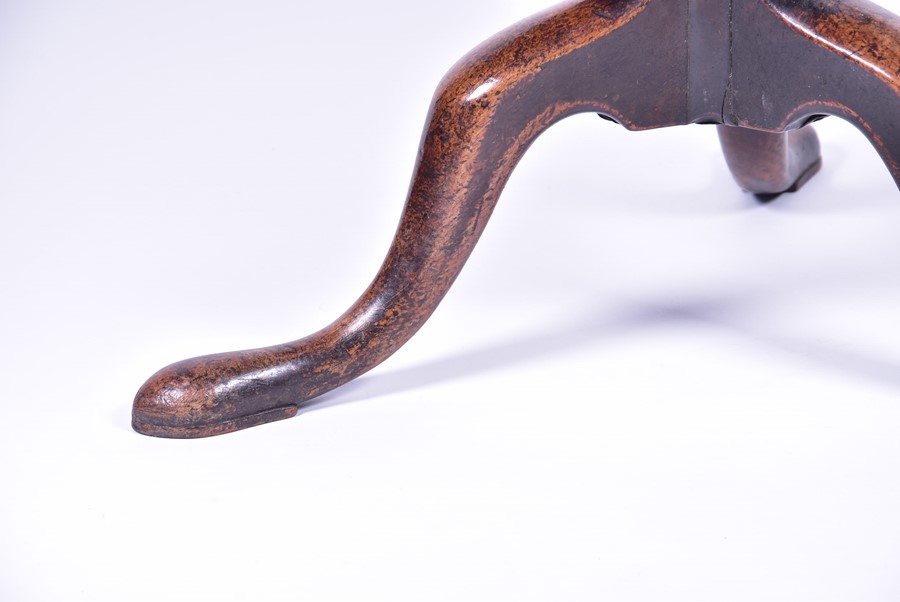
pixel 580 57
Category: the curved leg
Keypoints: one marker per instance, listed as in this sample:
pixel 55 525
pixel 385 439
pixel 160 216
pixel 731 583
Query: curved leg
pixel 796 61
pixel 644 63
pixel 768 164
pixel 580 57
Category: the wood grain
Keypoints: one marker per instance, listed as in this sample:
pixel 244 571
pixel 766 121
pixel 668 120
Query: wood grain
pixel 643 63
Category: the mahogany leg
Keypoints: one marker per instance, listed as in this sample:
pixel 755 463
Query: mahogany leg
pixel 794 62
pixel 580 57
pixel 765 163
pixel 764 67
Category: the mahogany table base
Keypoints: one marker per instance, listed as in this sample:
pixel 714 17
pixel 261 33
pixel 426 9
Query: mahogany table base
pixel 762 70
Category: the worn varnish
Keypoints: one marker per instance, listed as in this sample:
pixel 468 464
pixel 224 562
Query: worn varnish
pixel 760 69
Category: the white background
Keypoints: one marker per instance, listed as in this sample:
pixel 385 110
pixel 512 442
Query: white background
pixel 644 386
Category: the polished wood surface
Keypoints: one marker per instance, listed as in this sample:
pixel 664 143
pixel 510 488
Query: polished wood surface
pixel 795 61
pixel 769 164
pixel 760 69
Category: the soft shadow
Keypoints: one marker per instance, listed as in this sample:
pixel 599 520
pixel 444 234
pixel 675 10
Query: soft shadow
pixel 736 312
pixel 768 197
pixel 546 343
pixel 813 350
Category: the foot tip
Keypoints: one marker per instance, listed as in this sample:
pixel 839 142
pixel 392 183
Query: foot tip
pixel 207 396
